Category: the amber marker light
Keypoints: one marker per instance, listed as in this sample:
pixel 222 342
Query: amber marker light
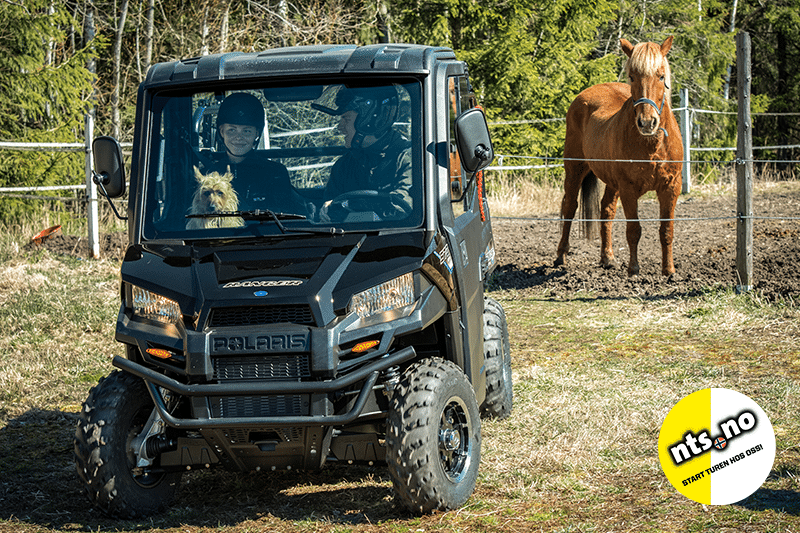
pixel 158 352
pixel 364 346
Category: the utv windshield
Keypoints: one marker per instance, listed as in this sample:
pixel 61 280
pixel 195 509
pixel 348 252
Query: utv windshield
pixel 248 161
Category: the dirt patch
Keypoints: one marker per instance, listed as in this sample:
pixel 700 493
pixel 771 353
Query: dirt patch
pixel 112 245
pixel 704 250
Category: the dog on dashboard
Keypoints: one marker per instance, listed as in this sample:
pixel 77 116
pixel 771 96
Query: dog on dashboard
pixel 214 194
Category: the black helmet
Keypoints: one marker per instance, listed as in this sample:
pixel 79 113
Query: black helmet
pixel 242 109
pixel 377 109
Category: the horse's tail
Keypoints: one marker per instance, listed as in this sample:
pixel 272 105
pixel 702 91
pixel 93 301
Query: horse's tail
pixel 591 192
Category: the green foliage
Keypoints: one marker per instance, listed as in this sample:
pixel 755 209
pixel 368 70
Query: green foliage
pixel 528 59
pixel 43 90
pixel 774 28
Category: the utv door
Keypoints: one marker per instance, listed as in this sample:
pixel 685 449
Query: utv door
pixel 464 232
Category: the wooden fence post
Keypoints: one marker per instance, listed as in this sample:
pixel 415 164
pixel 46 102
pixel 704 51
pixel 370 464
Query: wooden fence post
pixel 686 134
pixel 91 192
pixel 744 168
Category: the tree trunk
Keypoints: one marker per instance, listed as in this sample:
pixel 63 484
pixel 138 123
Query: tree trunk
pixel 148 37
pixel 384 25
pixel 117 52
pixel 91 63
pixel 204 32
pixel 283 11
pixel 223 38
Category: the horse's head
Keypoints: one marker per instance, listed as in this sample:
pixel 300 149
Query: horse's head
pixel 649 75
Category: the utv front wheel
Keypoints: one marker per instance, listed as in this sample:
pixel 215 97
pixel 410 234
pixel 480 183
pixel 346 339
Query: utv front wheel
pixel 113 415
pixel 433 437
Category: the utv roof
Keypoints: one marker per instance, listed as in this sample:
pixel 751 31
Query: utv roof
pixel 300 60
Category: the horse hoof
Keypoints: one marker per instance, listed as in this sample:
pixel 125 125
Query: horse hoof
pixel 633 272
pixel 608 264
pixel 559 261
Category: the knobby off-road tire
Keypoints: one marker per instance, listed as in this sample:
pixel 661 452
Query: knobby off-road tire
pixel 497 353
pixel 112 416
pixel 433 437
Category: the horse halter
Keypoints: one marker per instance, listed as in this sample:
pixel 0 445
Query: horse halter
pixel 656 107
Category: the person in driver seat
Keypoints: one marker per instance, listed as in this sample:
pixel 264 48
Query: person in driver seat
pixel 378 157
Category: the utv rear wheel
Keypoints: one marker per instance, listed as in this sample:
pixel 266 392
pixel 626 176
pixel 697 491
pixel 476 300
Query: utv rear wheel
pixel 433 437
pixel 112 416
pixel 497 354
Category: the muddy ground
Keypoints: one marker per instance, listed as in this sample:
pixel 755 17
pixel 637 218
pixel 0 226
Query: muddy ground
pixel 704 249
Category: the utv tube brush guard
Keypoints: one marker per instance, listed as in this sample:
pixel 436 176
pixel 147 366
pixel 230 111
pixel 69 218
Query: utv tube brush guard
pixel 369 373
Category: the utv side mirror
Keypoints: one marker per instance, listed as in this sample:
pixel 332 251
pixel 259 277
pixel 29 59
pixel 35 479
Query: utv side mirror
pixel 109 170
pixel 472 138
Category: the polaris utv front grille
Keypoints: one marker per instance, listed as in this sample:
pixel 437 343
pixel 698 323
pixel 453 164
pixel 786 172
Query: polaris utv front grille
pixel 260 406
pixel 260 315
pixel 264 367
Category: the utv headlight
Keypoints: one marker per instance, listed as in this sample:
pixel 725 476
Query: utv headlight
pixel 150 305
pixel 393 294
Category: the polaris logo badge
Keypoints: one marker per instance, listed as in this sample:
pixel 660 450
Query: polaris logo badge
pixel 279 342
pixel 263 283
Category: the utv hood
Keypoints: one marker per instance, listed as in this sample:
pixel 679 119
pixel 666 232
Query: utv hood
pixel 309 279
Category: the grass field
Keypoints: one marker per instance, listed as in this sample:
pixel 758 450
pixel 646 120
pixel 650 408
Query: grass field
pixel 593 380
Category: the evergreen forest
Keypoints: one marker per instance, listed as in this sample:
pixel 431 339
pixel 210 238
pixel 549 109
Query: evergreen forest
pixel 62 59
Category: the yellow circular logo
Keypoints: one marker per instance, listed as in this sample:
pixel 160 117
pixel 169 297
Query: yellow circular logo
pixel 716 446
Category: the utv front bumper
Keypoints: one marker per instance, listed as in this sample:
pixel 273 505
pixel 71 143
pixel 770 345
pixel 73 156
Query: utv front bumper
pixel 368 374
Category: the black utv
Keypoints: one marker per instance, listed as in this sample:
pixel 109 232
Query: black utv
pixel 309 241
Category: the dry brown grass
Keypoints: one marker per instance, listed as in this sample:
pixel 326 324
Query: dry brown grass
pixel 593 380
pixel 539 194
pixel 57 319
pixel 522 195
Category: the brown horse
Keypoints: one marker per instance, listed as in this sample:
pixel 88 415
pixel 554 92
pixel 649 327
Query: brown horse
pixel 627 136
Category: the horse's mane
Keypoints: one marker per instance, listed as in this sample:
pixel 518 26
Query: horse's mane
pixel 646 59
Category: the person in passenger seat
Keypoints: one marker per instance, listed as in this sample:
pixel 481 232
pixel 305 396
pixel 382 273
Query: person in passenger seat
pixel 260 182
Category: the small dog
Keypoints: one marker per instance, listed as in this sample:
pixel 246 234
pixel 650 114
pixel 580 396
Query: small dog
pixel 214 194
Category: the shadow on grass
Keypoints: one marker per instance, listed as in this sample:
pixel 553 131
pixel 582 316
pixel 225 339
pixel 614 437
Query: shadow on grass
pixel 782 501
pixel 779 500
pixel 39 487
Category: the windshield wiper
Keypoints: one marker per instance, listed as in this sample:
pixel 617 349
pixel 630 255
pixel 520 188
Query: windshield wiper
pixel 266 214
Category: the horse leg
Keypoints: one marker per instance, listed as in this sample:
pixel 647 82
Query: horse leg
pixel 633 231
pixel 575 171
pixel 608 211
pixel 667 201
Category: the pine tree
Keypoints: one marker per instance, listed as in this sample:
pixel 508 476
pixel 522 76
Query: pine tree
pixel 528 59
pixel 774 29
pixel 43 89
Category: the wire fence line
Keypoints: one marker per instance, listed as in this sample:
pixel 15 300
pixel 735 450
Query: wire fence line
pixel 15 192
pixel 676 219
pixel 90 195
pixel 674 109
pixel 685 120
pixel 502 157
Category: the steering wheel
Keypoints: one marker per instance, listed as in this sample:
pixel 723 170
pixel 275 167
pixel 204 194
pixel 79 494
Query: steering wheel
pixel 370 195
pixel 375 199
